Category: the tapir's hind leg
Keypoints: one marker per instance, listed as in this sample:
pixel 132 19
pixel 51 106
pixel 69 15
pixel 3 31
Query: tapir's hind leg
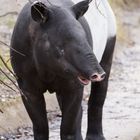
pixel 98 95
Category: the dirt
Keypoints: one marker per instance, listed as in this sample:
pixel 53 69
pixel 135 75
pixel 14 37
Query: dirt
pixel 122 107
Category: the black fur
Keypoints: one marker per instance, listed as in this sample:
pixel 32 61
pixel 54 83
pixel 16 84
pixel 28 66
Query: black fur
pixel 57 48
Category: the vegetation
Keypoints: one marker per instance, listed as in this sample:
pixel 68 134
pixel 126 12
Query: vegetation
pixel 130 4
pixel 119 7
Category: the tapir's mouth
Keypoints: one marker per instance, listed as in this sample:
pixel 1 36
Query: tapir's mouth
pixel 83 80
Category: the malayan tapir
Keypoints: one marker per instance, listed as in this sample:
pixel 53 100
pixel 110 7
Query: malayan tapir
pixel 55 48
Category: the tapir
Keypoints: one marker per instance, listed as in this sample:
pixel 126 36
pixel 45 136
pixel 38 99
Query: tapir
pixel 60 46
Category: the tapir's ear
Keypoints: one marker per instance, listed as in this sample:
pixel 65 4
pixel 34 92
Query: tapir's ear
pixel 39 12
pixel 80 8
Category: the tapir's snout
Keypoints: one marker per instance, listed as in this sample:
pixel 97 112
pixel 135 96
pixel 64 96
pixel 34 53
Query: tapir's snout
pixel 90 70
pixel 95 77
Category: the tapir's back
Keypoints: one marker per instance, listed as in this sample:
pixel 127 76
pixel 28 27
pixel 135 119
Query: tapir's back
pixel 102 24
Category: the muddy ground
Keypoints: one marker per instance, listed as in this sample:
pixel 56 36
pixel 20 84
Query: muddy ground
pixel 122 107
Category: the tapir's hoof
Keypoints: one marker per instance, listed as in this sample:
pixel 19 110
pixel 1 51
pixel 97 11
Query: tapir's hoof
pixel 95 137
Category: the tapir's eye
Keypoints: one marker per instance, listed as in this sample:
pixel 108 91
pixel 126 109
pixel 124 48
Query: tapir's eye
pixel 78 51
pixel 59 52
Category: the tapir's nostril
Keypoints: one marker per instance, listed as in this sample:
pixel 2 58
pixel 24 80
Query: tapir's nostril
pixel 94 76
pixel 103 75
pixel 97 77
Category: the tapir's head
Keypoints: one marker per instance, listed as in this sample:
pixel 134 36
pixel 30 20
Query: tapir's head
pixel 62 45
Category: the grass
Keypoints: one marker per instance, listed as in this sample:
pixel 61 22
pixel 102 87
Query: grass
pixel 129 4
pixel 122 32
pixel 9 103
pixel 119 6
pixel 8 21
pixel 6 59
pixel 118 3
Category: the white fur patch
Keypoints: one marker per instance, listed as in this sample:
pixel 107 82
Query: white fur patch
pixel 102 24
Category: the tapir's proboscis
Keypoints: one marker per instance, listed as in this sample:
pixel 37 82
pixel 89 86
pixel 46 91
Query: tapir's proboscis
pixel 65 45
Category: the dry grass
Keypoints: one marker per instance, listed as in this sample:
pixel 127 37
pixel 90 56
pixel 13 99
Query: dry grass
pixel 130 4
pixel 119 6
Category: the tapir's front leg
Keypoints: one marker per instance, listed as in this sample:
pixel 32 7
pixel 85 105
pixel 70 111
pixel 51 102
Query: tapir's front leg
pixel 98 95
pixel 35 106
pixel 70 103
